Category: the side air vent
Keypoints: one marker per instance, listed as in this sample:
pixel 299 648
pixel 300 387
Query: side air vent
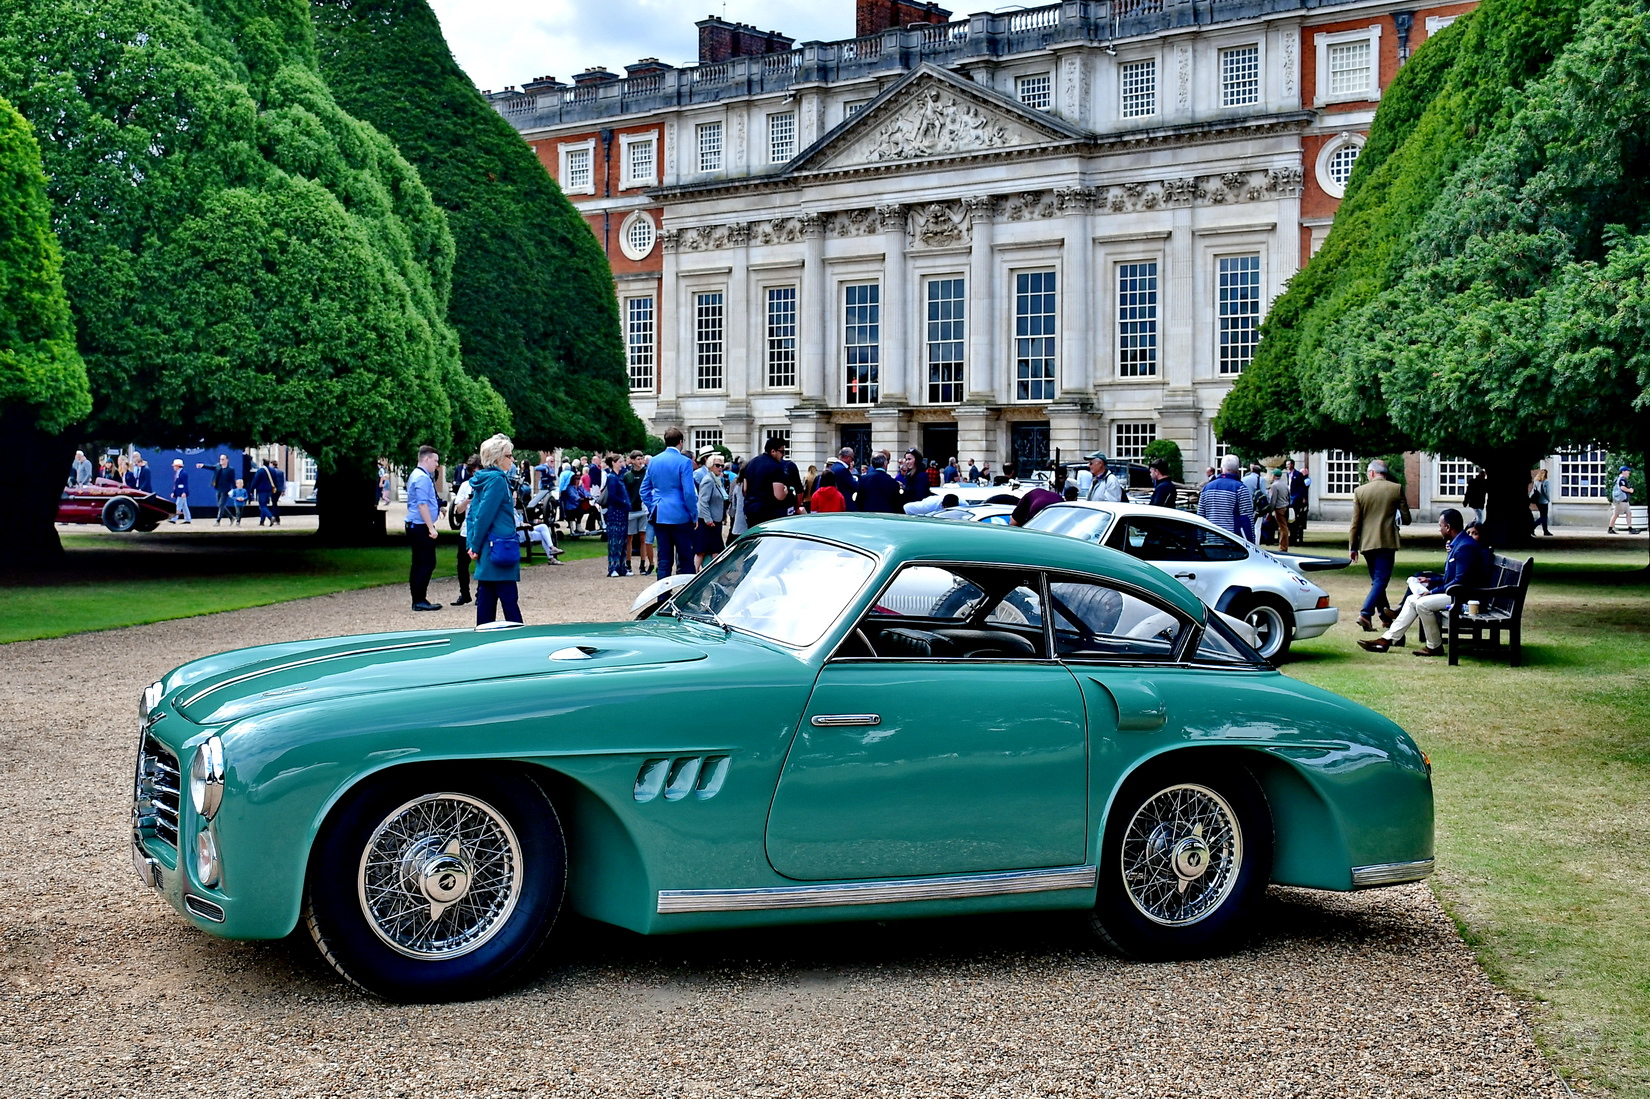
pixel 698 777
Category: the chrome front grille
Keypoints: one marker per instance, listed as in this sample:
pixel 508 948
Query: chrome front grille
pixel 158 793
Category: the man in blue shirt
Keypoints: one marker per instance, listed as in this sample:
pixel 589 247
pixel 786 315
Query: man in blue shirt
pixel 1227 502
pixel 422 509
pixel 1468 563
pixel 670 497
pixel 277 477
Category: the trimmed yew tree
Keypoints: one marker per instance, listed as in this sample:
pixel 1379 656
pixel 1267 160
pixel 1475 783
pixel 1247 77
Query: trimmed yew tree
pixel 532 297
pixel 43 387
pixel 1484 290
pixel 246 261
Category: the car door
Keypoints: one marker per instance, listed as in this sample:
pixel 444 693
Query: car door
pixel 1199 557
pixel 941 739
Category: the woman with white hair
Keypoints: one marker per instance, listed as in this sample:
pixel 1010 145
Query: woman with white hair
pixel 490 533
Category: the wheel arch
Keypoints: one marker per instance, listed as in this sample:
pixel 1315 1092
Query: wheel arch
pixel 1309 845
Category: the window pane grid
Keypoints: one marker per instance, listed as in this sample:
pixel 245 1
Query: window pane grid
pixel 1452 477
pixel 947 336
pixel 1129 441
pixel 1034 91
pixel 578 170
pixel 706 436
pixel 783 434
pixel 1341 162
pixel 707 340
pixel 710 147
pixel 1342 473
pixel 1139 94
pixel 640 161
pixel 781 340
pixel 1584 474
pixel 1034 335
pixel 639 342
pixel 781 137
pixel 1239 296
pixel 640 235
pixel 1137 319
pixel 861 341
pixel 1349 68
pixel 1240 76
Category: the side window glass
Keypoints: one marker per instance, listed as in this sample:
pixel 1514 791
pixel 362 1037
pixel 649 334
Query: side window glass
pixel 1218 646
pixel 1094 620
pixel 1215 546
pixel 932 612
pixel 1163 540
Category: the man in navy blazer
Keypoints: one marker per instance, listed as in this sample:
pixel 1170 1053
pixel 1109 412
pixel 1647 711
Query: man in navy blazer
pixel 878 491
pixel 138 476
pixel 672 499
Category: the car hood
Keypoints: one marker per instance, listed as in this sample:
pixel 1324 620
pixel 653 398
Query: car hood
pixel 279 677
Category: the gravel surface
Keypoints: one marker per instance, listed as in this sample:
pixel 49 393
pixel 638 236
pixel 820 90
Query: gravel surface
pixel 104 991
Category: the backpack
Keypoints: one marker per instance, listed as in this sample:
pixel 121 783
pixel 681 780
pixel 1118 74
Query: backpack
pixel 1263 502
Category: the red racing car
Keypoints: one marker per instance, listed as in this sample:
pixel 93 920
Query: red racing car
pixel 114 505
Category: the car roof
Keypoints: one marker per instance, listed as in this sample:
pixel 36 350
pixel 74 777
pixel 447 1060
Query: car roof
pixel 920 538
pixel 1136 509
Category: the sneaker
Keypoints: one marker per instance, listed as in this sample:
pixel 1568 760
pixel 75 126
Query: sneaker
pixel 611 573
pixel 557 561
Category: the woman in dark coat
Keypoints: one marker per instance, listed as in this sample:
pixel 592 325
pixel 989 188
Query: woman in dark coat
pixel 491 533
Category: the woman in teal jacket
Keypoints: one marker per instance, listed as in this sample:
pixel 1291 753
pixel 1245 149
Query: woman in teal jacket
pixel 490 532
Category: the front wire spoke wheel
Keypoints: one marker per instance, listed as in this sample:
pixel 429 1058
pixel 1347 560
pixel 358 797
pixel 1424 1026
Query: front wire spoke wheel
pixel 440 876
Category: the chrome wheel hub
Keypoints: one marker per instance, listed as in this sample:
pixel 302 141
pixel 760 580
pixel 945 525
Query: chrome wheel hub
pixel 1182 852
pixel 440 876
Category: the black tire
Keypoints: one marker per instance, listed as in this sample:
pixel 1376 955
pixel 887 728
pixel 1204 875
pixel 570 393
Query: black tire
pixel 1142 908
pixel 120 514
pixel 484 939
pixel 1272 619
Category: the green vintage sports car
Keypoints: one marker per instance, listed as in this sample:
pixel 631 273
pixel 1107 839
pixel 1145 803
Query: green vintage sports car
pixel 844 717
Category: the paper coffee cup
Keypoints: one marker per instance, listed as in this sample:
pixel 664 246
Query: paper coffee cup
pixel 1472 606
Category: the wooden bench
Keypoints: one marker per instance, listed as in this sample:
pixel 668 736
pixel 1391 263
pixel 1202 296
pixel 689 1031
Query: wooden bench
pixel 1500 607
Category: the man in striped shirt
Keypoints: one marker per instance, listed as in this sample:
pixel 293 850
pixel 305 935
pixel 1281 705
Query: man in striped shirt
pixel 1227 502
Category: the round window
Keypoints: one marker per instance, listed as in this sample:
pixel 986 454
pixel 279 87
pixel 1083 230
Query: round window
pixel 1340 163
pixel 637 234
pixel 1335 163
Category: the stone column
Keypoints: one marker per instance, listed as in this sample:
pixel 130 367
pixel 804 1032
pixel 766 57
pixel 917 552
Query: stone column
pixel 977 435
pixel 741 361
pixel 813 323
pixel 673 352
pixel 1077 302
pixel 890 430
pixel 984 348
pixel 895 369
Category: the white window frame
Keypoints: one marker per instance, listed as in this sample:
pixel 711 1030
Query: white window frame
pixel 1327 153
pixel 1369 93
pixel 564 153
pixel 706 436
pixel 781 351
pixel 1156 318
pixel 873 385
pixel 1123 71
pixel 854 107
pixel 1342 473
pixel 1026 83
pixel 636 219
pixel 1223 89
pixel 933 328
pixel 1259 313
pixel 641 356
pixel 777 153
pixel 782 433
pixel 1142 431
pixel 1585 467
pixel 1052 383
pixel 627 142
pixel 710 356
pixel 708 159
pixel 1458 470
pixel 1436 23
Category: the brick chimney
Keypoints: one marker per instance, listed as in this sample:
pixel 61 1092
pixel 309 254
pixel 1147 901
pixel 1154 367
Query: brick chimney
pixel 720 40
pixel 594 75
pixel 647 66
pixel 540 83
pixel 876 16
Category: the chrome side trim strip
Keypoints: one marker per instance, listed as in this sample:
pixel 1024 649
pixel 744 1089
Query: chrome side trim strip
pixel 883 892
pixel 244 676
pixel 827 720
pixel 1390 873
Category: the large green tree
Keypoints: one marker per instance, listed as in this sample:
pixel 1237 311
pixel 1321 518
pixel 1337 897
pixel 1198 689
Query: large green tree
pixel 532 297
pixel 43 386
pixel 246 261
pixel 1482 291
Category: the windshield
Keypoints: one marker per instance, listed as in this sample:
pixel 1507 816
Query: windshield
pixel 1085 523
pixel 780 587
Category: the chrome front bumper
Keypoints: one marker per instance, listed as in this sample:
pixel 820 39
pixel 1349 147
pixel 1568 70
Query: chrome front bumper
pixel 1390 873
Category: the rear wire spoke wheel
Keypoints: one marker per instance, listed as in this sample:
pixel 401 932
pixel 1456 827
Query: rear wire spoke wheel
pixel 1186 858
pixel 431 888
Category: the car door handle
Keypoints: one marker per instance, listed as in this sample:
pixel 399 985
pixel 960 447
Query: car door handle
pixel 827 720
pixel 1185 576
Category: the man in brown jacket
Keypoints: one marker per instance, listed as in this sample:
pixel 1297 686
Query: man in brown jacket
pixel 1375 535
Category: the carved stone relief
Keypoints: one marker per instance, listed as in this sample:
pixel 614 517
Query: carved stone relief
pixel 778 231
pixel 1183 77
pixel 891 218
pixel 1288 65
pixel 738 141
pixel 939 224
pixel 852 223
pixel 739 234
pixel 1029 206
pixel 935 124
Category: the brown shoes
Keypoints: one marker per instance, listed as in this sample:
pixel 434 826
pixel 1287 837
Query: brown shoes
pixel 1379 645
pixel 1424 651
pixel 1366 624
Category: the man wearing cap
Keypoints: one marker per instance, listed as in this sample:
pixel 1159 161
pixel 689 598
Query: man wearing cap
pixel 1621 501
pixel 1098 483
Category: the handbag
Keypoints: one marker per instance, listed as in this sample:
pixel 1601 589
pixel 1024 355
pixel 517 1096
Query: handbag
pixel 504 550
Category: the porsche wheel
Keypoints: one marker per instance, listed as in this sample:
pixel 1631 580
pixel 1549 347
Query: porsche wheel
pixel 120 514
pixel 1272 621
pixel 1187 855
pixel 426 889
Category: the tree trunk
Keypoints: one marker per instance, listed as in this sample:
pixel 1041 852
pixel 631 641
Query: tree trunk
pixel 39 466
pixel 1507 512
pixel 347 501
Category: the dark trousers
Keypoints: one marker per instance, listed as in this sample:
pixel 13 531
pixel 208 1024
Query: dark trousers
pixel 463 569
pixel 1380 571
pixel 618 541
pixel 492 595
pixel 226 510
pixel 675 542
pixel 263 509
pixel 423 561
pixel 1540 520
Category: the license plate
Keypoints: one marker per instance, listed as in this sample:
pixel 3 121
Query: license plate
pixel 147 868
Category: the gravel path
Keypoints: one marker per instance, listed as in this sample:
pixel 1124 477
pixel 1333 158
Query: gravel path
pixel 104 991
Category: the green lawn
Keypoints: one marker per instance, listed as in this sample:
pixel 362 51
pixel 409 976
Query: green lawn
pixel 125 581
pixel 1542 776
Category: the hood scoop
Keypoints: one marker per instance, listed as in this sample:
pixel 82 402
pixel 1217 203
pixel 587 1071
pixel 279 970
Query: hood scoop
pixel 575 652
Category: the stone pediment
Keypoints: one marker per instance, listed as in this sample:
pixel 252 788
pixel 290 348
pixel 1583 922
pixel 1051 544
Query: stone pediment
pixel 932 114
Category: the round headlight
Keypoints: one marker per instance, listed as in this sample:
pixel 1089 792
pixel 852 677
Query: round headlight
pixel 206 778
pixel 208 867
